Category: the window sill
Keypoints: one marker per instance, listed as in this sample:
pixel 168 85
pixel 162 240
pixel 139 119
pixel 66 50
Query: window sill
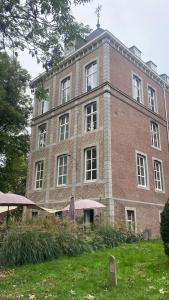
pixel 61 186
pixel 90 181
pixel 156 148
pixel 143 187
pixel 160 191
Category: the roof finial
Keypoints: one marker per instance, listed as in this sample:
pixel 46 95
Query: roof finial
pixel 98 9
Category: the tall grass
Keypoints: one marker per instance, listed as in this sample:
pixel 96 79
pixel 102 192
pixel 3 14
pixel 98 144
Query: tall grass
pixel 44 239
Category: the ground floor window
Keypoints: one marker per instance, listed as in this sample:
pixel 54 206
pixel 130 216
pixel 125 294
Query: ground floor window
pixel 131 219
pixel 88 216
pixel 34 214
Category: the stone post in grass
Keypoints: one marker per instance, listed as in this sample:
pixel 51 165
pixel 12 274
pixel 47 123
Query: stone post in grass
pixel 112 269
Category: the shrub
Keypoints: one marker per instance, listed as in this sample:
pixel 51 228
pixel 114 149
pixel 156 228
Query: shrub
pixel 108 237
pixel 72 244
pixel 28 247
pixel 44 239
pixel 164 227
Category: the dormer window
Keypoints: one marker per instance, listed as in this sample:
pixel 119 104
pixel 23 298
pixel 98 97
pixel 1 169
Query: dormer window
pixel 135 51
pixel 65 90
pixel 91 76
pixel 152 65
pixel 165 77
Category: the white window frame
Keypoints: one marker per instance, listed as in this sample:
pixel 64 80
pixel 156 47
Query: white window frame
pixel 91 116
pixel 44 103
pixel 39 174
pixel 140 89
pixel 155 135
pixel 127 220
pixel 42 135
pixel 65 88
pixel 152 107
pixel 161 179
pixel 64 127
pixel 145 166
pixel 85 164
pixel 64 174
pixel 92 74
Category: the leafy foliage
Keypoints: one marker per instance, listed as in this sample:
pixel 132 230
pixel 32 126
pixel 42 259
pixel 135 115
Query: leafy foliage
pixel 44 239
pixel 15 109
pixel 28 247
pixel 41 26
pixel 164 227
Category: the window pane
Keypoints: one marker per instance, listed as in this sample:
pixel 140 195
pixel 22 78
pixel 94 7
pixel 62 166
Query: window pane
pixel 91 164
pixel 141 170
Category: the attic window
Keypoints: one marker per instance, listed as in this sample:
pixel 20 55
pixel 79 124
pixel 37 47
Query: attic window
pixel 152 65
pixel 69 49
pixel 165 77
pixel 135 51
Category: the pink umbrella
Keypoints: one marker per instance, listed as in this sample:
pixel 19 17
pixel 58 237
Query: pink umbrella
pixel 10 199
pixel 85 204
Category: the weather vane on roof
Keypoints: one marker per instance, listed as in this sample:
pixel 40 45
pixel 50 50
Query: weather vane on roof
pixel 98 9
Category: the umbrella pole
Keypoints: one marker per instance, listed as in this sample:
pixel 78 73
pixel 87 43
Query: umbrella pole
pixel 7 218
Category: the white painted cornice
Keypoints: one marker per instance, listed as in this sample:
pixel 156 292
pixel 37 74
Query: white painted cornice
pixel 114 42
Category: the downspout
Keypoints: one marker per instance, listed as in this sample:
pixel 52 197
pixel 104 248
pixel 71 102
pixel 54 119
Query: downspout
pixel 166 112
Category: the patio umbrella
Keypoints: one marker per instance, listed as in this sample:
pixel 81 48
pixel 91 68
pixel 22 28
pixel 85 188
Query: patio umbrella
pixel 10 199
pixel 85 204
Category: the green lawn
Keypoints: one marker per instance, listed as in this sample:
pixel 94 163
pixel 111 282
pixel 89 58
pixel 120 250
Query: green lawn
pixel 143 273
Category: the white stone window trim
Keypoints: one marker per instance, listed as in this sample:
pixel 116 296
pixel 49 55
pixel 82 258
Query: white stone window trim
pixel 162 173
pixel 156 100
pixel 146 187
pixel 159 135
pixel 95 59
pixel 69 75
pixel 58 128
pixel 90 115
pixel 57 170
pixel 135 215
pixel 142 92
pixel 64 126
pixel 82 173
pixel 37 134
pixel 85 153
pixel 83 115
pixel 35 174
pixel 42 101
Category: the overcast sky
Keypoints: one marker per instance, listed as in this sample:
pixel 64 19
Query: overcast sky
pixel 144 24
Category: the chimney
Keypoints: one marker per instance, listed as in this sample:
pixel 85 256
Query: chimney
pixel 152 65
pixel 135 51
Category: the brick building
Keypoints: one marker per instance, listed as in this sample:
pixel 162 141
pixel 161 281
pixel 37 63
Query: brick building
pixel 103 134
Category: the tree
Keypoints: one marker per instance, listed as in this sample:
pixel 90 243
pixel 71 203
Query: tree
pixel 15 109
pixel 41 26
pixel 164 227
